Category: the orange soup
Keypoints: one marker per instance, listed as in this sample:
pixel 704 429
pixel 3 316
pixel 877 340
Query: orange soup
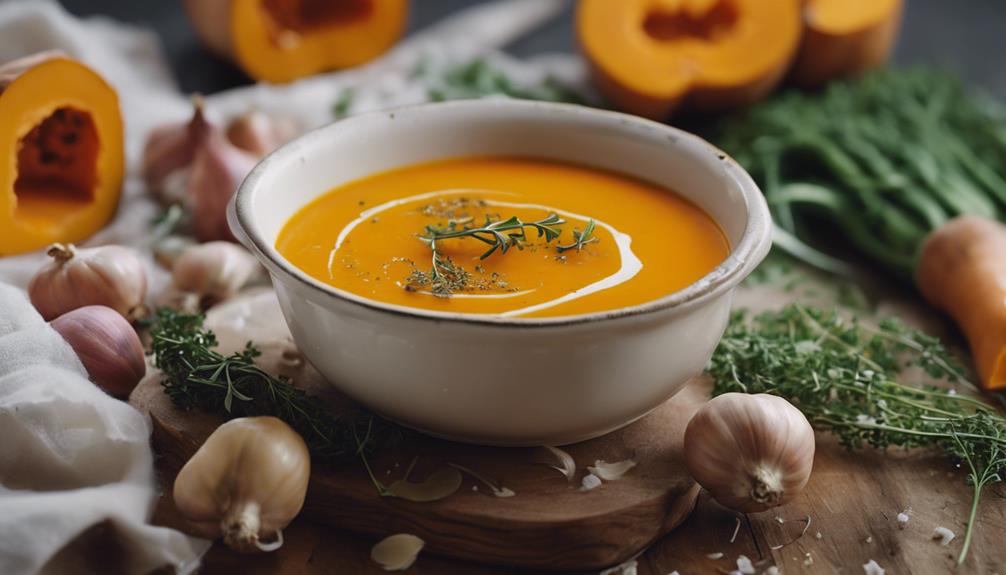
pixel 511 237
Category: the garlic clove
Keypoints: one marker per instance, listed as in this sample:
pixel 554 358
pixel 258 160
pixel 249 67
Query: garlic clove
pixel 112 276
pixel 217 171
pixel 440 485
pixel 214 271
pixel 611 471
pixel 751 452
pixel 558 460
pixel 260 133
pixel 246 483
pixel 397 552
pixel 107 345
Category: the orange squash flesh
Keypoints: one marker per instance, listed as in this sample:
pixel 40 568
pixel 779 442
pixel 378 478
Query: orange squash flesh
pixel 845 38
pixel 282 40
pixel 61 152
pixel 675 241
pixel 651 57
pixel 961 270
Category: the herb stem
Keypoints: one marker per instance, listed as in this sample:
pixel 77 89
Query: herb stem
pixel 446 278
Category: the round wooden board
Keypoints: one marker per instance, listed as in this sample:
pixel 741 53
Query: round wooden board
pixel 550 523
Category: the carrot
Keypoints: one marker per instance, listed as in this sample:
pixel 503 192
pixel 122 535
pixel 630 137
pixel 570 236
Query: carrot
pixel 962 270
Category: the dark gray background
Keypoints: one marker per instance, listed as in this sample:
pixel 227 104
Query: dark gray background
pixel 968 36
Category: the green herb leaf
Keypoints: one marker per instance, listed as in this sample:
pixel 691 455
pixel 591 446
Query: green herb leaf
pixel 446 278
pixel 580 238
pixel 343 104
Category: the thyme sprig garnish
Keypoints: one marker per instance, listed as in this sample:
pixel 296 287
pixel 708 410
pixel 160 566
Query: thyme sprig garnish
pixel 196 376
pixel 580 239
pixel 445 277
pixel 498 234
pixel 843 376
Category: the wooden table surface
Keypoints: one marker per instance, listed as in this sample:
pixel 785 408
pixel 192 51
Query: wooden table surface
pixel 852 501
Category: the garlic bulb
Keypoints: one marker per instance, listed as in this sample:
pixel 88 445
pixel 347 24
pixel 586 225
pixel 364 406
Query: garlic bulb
pixel 260 133
pixel 106 344
pixel 217 171
pixel 112 276
pixel 752 452
pixel 215 271
pixel 246 483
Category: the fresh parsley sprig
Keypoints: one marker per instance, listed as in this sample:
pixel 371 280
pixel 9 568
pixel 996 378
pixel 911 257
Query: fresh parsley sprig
pixel 843 375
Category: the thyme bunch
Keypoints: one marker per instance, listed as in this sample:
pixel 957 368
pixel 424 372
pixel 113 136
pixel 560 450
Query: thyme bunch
pixel 842 375
pixel 196 376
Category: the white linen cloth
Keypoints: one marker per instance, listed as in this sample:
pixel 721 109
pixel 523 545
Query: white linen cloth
pixel 71 457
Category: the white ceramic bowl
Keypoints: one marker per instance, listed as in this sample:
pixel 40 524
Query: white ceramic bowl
pixel 491 380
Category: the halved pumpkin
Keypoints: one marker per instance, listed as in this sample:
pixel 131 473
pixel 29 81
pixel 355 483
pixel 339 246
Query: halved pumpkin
pixel 282 40
pixel 652 57
pixel 61 152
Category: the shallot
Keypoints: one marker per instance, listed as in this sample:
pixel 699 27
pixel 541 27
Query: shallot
pixel 106 345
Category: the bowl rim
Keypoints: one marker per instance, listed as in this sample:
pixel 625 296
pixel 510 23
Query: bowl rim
pixel 743 258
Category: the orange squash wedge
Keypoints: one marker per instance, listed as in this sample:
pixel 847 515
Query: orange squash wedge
pixel 61 152
pixel 282 40
pixel 845 38
pixel 653 57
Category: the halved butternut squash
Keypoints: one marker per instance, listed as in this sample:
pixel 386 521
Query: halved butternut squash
pixel 652 57
pixel 845 37
pixel 282 40
pixel 61 152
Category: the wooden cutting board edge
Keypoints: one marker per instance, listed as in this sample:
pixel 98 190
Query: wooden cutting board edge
pixel 588 541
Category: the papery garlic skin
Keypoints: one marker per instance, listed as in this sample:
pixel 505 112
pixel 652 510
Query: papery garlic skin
pixel 214 270
pixel 106 344
pixel 397 552
pixel 751 452
pixel 112 276
pixel 246 483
